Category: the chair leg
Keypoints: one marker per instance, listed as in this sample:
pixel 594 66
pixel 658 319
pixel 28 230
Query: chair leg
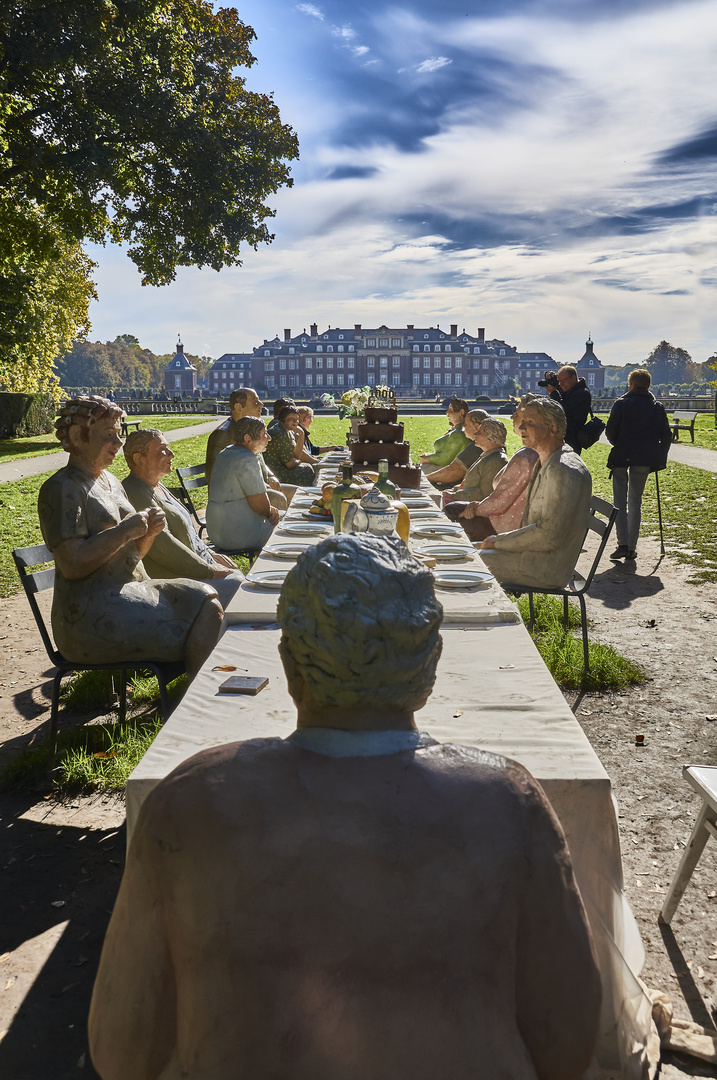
pixel 123 696
pixel 52 734
pixel 566 613
pixel 163 695
pixel 531 608
pixel 584 621
pixel 688 862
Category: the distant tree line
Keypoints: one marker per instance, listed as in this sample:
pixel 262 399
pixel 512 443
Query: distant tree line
pixel 671 368
pixel 118 364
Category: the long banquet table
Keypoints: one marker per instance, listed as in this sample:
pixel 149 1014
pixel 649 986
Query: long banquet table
pixel 493 691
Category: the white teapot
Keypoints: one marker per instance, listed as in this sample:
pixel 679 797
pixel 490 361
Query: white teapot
pixel 374 514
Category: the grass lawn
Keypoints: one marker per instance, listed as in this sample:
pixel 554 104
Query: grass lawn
pixel 35 445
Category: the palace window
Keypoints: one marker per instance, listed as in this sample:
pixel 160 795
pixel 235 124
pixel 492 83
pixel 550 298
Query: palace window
pixel 351 361
pixel 447 348
pixel 426 380
pixel 282 380
pixel 436 348
pixel 282 365
pixel 426 348
pixel 309 361
pixel 329 380
pixel 396 379
pixel 485 363
pixel 383 343
pixel 371 362
pixel 416 348
pixel 339 380
pixel 396 343
pixel 383 362
pixel 319 348
pixel 416 362
pixel 351 380
pixel 459 361
pixel 319 362
pixel 351 348
pixel 340 362
pixel 268 365
pixel 426 361
pixel 309 379
pixel 339 348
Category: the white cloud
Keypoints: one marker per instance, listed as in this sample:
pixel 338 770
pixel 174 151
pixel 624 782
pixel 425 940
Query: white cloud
pixel 345 32
pixel 434 63
pixel 309 9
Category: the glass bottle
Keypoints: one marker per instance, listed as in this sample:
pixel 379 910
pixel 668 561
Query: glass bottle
pixel 345 490
pixel 383 483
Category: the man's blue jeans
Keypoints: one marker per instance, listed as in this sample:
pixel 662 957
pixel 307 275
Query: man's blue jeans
pixel 628 486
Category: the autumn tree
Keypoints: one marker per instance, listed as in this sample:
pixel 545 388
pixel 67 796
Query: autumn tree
pixel 126 121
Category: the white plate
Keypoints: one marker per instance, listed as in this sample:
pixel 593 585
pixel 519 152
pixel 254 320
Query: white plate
pixel 305 528
pixel 425 513
pixel 286 551
pixel 416 503
pixel 412 493
pixel 268 579
pixel 427 530
pixel 307 491
pixel 462 579
pixel 315 517
pixel 446 552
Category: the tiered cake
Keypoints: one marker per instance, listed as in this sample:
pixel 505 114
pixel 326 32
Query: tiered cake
pixel 381 437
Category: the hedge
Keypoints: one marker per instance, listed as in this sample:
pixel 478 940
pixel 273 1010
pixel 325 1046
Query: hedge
pixel 26 414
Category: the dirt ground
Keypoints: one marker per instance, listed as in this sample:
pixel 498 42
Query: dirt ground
pixel 61 863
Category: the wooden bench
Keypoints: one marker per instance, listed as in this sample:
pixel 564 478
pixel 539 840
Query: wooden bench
pixel 677 427
pixel 128 423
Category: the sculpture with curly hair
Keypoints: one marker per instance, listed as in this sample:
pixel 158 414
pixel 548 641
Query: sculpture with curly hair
pixel 83 411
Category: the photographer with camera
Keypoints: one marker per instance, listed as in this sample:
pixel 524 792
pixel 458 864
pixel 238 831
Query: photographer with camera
pixel 572 393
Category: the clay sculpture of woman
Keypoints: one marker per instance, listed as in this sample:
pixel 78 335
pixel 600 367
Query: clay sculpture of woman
pixel 239 514
pixel 105 607
pixel 448 446
pixel 284 453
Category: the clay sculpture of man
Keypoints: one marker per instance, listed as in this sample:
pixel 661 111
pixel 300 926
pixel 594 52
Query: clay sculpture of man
pixel 246 402
pixel 357 901
pixel 544 550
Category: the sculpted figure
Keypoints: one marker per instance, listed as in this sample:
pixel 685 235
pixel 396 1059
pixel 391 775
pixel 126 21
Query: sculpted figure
pixel 357 901
pixel 306 419
pixel 447 447
pixel 455 472
pixel 502 510
pixel 246 403
pixel 489 437
pixel 177 551
pixel 285 454
pixel 104 605
pixel 544 550
pixel 239 514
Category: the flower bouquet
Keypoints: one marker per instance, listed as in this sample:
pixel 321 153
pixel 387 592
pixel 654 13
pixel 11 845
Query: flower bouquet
pixel 352 403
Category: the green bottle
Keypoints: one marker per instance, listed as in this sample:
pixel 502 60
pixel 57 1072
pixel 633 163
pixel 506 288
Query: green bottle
pixel 383 483
pixel 345 490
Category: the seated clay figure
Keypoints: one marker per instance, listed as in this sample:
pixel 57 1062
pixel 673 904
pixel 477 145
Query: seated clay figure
pixel 489 437
pixel 104 604
pixel 448 446
pixel 177 551
pixel 356 901
pixel 455 472
pixel 544 550
pixel 502 509
pixel 239 514
pixel 246 402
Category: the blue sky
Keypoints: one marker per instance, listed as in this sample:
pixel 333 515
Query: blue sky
pixel 540 169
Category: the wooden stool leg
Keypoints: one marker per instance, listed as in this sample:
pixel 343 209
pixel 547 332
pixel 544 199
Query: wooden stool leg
pixel 688 862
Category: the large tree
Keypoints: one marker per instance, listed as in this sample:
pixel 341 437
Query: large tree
pixel 125 120
pixel 669 364
pixel 45 291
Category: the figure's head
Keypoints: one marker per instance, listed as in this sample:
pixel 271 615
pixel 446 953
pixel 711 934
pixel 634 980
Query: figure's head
pixel 360 629
pixel 306 415
pixel 289 417
pixel 75 424
pixel 244 402
pixel 567 378
pixel 251 433
pixel 473 421
pixel 148 454
pixel 518 414
pixel 639 379
pixel 491 434
pixel 457 411
pixel 281 403
pixel 543 425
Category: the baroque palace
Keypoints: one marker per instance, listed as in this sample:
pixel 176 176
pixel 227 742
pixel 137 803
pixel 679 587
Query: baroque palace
pixel 413 360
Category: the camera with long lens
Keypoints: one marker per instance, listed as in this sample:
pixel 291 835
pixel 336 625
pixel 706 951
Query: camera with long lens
pixel 551 380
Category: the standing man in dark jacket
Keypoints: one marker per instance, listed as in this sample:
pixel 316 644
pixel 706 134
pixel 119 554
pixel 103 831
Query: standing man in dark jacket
pixel 640 434
pixel 572 393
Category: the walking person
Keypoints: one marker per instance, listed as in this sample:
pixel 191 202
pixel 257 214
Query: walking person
pixel 640 434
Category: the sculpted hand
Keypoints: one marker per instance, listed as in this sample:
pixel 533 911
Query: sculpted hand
pixel 135 526
pixel 470 511
pixel 155 520
pixel 273 516
pixel 489 542
pixel 274 484
pixel 423 459
pixel 220 571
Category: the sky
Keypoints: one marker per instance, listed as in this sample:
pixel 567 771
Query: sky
pixel 546 169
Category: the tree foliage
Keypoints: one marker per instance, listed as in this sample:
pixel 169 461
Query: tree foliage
pixel 119 363
pixel 45 291
pixel 669 364
pixel 124 120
